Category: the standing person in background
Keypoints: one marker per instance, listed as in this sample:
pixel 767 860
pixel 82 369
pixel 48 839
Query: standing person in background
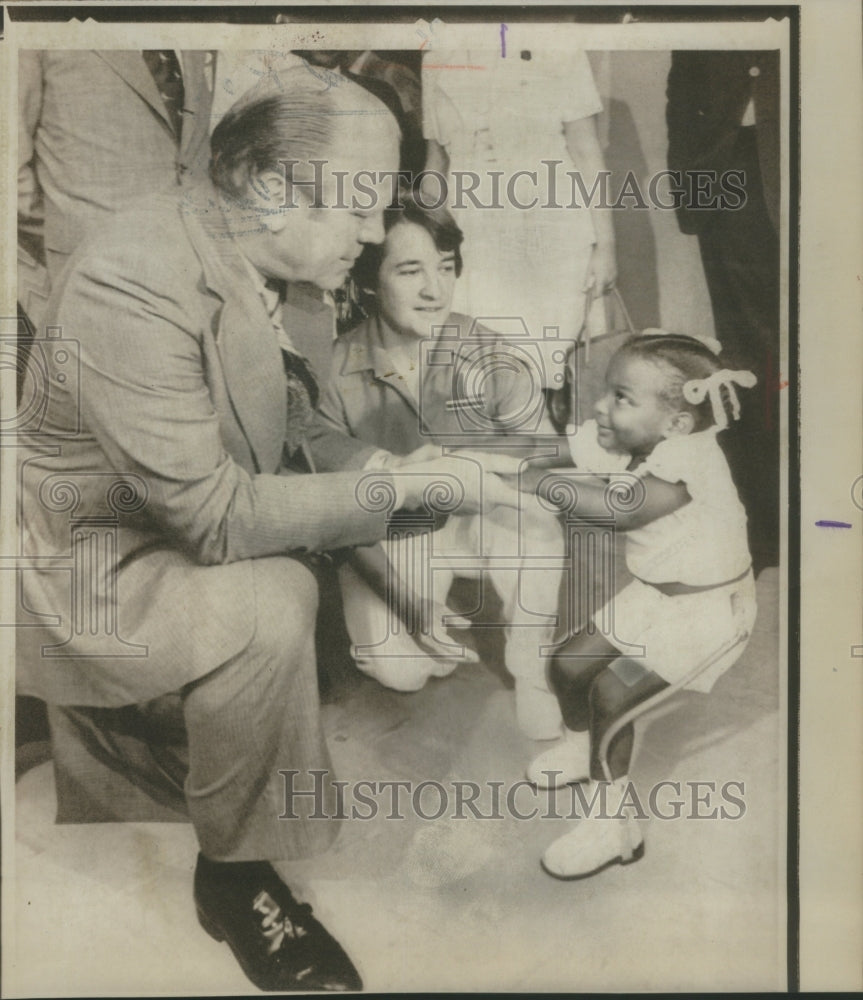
pixel 723 115
pixel 390 81
pixel 485 113
pixel 98 129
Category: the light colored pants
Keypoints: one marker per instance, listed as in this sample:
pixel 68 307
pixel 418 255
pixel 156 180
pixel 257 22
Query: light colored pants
pixel 216 748
pixel 254 716
pixel 513 550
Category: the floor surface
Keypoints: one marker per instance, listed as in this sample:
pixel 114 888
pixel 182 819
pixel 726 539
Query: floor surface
pixel 454 903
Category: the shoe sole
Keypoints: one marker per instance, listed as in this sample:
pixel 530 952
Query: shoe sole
pixel 209 926
pixel 218 934
pixel 264 985
pixel 637 855
pixel 563 784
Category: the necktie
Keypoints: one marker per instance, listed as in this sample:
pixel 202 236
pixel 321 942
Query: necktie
pixel 165 69
pixel 301 384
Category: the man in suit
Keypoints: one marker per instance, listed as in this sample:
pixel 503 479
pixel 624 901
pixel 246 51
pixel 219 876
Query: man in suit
pixel 187 422
pixel 98 129
pixel 723 116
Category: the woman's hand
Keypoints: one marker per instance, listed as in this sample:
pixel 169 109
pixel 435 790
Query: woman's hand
pixel 602 271
pixel 582 142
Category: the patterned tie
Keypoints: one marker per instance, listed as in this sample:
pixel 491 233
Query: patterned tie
pixel 301 384
pixel 165 68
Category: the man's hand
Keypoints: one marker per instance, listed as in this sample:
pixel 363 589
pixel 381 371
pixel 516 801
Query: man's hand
pixel 425 453
pixel 475 474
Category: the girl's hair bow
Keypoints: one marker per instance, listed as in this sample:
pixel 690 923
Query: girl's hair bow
pixel 697 390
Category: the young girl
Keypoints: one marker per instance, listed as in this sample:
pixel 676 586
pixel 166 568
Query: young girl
pixel 693 594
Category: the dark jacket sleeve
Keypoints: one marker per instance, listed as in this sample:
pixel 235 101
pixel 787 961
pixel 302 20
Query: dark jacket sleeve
pixel 707 93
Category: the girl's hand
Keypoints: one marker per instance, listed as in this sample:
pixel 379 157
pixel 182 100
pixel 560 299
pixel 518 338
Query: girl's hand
pixel 527 479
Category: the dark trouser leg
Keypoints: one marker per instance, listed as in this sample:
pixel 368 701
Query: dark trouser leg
pixel 254 715
pixel 740 253
pixel 610 698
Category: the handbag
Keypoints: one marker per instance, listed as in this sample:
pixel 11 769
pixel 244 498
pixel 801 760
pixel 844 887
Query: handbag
pixel 587 361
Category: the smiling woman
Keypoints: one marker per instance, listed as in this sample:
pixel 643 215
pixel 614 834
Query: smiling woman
pixel 408 282
pixel 423 245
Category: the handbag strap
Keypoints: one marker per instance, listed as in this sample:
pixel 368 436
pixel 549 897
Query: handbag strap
pixel 559 400
pixel 583 336
pixel 621 305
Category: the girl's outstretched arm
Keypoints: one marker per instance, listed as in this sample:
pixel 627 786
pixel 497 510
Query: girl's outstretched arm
pixel 660 498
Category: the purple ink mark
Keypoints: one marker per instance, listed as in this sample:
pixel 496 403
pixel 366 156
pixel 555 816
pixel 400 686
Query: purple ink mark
pixel 832 524
pixel 504 28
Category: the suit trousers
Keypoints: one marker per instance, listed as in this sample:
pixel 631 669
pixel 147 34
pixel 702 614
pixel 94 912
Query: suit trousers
pixel 740 253
pixel 252 718
pixel 214 751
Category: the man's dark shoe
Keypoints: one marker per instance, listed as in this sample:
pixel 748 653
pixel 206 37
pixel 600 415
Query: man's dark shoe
pixel 276 940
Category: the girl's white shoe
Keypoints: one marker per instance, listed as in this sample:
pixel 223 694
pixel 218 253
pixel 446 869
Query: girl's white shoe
pixel 566 763
pixel 597 842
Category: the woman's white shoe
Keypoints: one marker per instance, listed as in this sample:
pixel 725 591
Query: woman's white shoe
pixel 597 842
pixel 566 763
pixel 537 710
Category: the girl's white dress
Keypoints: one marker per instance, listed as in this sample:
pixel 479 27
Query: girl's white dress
pixel 702 544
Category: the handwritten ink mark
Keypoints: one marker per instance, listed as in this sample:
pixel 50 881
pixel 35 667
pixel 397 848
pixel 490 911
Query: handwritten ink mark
pixel 423 24
pixel 832 524
pixel 503 30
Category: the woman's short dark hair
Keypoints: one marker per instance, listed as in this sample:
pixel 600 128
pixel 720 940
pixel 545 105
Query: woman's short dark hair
pixel 437 222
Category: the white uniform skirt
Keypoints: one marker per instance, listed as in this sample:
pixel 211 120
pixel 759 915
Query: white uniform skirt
pixel 673 636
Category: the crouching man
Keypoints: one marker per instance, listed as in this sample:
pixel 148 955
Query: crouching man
pixel 189 420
